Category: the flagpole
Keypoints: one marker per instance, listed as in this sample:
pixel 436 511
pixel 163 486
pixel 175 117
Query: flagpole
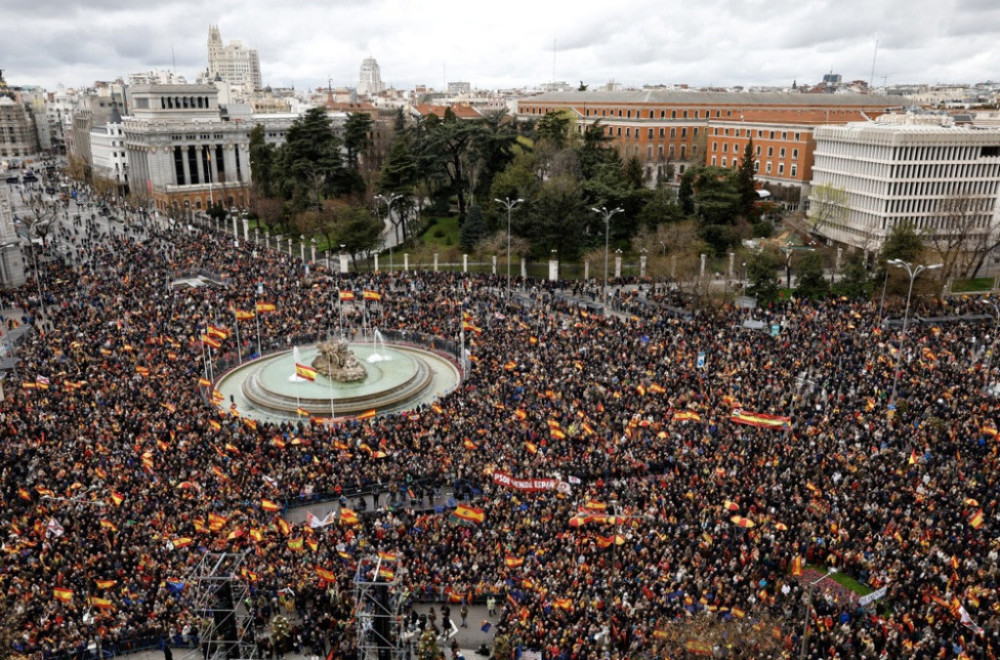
pixel 236 322
pixel 204 361
pixel 256 316
pixel 330 380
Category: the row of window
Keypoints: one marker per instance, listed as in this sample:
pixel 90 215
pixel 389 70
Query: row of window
pixel 770 150
pixel 617 130
pixel 768 166
pixel 760 133
pixel 637 114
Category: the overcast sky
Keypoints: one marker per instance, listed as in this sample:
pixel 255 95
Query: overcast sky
pixel 510 43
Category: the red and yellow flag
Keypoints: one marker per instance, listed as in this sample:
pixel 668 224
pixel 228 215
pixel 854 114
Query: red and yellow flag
pixel 305 371
pixel 265 307
pixel 63 595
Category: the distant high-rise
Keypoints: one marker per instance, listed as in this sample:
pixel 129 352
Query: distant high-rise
pixel 370 78
pixel 235 63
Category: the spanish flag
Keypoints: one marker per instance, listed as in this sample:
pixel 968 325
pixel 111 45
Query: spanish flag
pixel 368 414
pixel 467 515
pixel 142 371
pixel 211 341
pixel 105 584
pixel 303 371
pixel 563 603
pixel 101 603
pixel 269 506
pixel 345 296
pixel 295 544
pixel 325 575
pixel 348 517
pixel 215 425
pixel 976 520
pixel 760 420
pixel 63 595
pixel 182 542
pixel 513 562
pixel 242 315
pixel 468 327
pixel 387 556
pixel 218 332
pixel 265 307
pixel 797 565
pixel 371 295
pixel 302 412
pixel 686 416
pixel 107 524
pixel 117 498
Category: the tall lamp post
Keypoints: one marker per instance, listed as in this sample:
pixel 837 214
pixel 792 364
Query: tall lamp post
pixel 606 215
pixel 809 595
pixel 388 216
pixel 509 204
pixel 913 273
pixel 993 347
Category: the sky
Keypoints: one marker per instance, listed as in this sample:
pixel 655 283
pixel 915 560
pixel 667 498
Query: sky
pixel 512 43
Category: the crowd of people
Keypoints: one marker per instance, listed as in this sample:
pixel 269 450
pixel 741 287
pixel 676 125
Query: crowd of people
pixel 694 480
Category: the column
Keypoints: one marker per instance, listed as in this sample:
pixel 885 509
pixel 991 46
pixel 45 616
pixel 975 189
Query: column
pixel 642 266
pixel 435 262
pixel 406 262
pixel 344 264
pixel 618 263
pixel 376 263
pixel 524 268
pixel 586 270
pixel 553 268
pixel 465 263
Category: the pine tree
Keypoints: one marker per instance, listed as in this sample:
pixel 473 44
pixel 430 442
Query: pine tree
pixel 474 229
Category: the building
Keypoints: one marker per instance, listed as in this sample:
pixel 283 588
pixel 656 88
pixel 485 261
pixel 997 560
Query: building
pixel 459 89
pixel 370 78
pixel 923 170
pixel 234 63
pixel 107 147
pixel 182 154
pixel 93 108
pixel 671 130
pixel 11 259
pixel 18 134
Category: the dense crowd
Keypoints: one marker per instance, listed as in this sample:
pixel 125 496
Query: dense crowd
pixel 674 524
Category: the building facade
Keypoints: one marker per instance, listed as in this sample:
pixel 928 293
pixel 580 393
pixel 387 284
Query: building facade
pixel 18 134
pixel 107 146
pixel 370 78
pixel 671 130
pixel 181 153
pixel 234 63
pixel 11 259
pixel 925 171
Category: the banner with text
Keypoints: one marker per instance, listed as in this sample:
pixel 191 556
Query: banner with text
pixel 525 485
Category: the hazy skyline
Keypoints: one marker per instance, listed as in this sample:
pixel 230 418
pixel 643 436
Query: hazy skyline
pixel 715 42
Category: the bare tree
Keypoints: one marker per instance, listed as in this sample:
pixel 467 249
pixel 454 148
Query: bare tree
pixel 827 206
pixel 961 225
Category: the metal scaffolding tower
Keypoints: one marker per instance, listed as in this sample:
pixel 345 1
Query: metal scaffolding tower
pixel 377 610
pixel 222 598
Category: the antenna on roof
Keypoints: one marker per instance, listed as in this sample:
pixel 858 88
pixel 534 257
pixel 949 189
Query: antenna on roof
pixel 874 56
pixel 553 60
pixel 173 59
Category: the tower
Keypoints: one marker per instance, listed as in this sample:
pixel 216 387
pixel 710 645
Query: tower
pixel 370 78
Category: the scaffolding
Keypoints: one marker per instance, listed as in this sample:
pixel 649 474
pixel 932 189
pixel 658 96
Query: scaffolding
pixel 222 604
pixel 379 627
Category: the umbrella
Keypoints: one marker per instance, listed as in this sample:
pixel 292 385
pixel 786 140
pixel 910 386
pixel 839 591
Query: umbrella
pixel 742 522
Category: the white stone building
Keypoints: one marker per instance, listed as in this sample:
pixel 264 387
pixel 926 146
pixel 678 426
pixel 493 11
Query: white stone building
pixel 107 148
pixel 923 170
pixel 181 152
pixel 370 78
pixel 11 259
pixel 234 63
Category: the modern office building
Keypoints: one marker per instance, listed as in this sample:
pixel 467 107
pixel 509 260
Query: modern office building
pixel 370 78
pixel 923 170
pixel 234 63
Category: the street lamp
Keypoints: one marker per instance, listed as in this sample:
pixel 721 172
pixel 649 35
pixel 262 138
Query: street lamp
pixel 913 273
pixel 606 215
pixel 388 217
pixel 809 595
pixel 993 347
pixel 509 204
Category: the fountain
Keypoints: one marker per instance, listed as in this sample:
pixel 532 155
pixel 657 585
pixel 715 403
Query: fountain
pixel 376 356
pixel 351 379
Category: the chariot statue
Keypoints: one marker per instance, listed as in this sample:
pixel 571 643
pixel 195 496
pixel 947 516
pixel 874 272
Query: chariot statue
pixel 338 362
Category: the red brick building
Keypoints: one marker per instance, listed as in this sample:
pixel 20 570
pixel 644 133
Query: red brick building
pixel 668 131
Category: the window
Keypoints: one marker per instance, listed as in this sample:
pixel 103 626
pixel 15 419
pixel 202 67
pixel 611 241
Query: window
pixel 725 147
pixel 782 152
pixel 797 137
pixel 724 164
pixel 684 131
pixel 795 154
pixel 770 151
pixel 781 168
pixel 628 131
pixel 663 131
pixel 768 167
pixel 673 114
pixel 794 170
pixel 713 161
pixel 673 133
pixel 629 114
pixel 650 135
pixel 650 114
pixel 715 146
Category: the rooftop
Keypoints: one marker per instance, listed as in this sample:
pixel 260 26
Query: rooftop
pixel 675 97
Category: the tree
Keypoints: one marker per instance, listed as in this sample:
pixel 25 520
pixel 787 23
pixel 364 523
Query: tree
pixel 447 149
pixel 553 127
pixel 902 243
pixel 762 283
pixel 745 184
pixel 555 218
pixel 965 225
pixel 357 136
pixel 358 230
pixel 309 162
pixel 811 282
pixel 685 193
pixel 662 207
pixel 474 229
pixel 261 162
pixel 827 206
pixel 855 281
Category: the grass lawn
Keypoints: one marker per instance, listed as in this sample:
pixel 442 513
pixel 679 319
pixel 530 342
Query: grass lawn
pixel 443 232
pixel 977 284
pixel 845 581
